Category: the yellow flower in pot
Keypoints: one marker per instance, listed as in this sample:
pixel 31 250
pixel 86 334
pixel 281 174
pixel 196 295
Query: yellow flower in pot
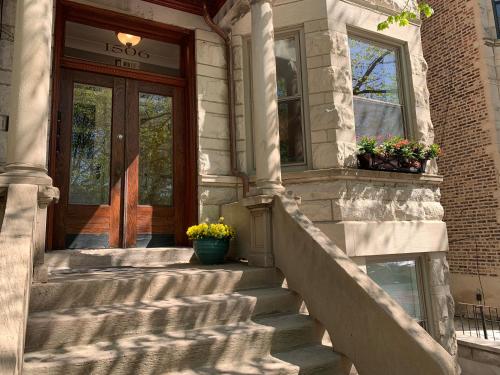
pixel 211 241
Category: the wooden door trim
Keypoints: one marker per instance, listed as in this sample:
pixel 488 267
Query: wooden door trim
pixel 72 63
pixel 67 10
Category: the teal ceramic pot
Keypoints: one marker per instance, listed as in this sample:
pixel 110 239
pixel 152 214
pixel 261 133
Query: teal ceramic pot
pixel 211 250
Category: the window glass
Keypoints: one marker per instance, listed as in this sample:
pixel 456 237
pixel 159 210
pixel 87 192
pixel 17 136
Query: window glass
pixel 102 46
pixel 378 106
pixel 155 150
pixel 400 280
pixel 90 144
pixel 290 109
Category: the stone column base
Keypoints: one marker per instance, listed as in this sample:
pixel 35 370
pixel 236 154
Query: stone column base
pixel 261 243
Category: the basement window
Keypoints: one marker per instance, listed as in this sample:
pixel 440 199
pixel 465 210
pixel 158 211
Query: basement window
pixel 379 108
pixel 402 281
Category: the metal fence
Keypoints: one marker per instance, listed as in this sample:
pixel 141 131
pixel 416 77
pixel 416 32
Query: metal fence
pixel 478 320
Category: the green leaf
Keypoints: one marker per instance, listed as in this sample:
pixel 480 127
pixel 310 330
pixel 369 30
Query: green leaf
pixel 403 18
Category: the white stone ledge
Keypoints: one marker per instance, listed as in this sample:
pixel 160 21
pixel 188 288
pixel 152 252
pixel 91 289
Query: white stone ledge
pixel 332 174
pixel 372 238
pixel 218 180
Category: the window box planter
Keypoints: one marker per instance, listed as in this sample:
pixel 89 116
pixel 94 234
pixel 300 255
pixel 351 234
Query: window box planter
pixel 395 154
pixel 391 164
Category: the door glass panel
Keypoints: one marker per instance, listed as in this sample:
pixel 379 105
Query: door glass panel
pixel 155 150
pixel 90 144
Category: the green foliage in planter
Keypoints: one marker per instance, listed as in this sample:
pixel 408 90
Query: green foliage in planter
pixel 367 145
pixel 398 147
pixel 406 15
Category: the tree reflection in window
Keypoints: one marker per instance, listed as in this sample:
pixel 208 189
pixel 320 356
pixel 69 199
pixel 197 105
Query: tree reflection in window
pixel 155 150
pixel 378 107
pixel 289 100
pixel 90 144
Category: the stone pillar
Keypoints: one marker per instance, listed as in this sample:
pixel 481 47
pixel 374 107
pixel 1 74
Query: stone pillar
pixel 442 304
pixel 265 100
pixel 29 114
pixel 30 93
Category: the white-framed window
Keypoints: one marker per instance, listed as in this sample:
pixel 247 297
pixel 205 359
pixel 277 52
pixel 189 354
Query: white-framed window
pixel 402 280
pixel 292 110
pixel 377 85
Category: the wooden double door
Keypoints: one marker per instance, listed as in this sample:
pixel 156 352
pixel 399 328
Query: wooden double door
pixel 120 163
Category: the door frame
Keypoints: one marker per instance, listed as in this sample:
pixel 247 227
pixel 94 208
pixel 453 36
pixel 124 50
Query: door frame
pixel 97 17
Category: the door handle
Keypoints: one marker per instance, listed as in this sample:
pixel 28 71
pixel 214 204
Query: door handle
pixel 120 137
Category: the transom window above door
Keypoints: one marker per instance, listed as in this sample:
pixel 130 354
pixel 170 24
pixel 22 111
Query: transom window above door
pixel 121 49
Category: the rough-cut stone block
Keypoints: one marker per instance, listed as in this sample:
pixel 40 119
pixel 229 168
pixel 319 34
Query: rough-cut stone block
pixel 316 25
pixel 318 190
pixel 213 126
pixel 214 144
pixel 418 65
pixel 340 46
pixel 210 54
pixel 320 79
pixel 209 212
pixel 318 61
pixel 324 155
pixel 216 195
pixel 211 107
pixel 317 210
pixel 318 136
pixel 318 43
pixel 211 71
pixel 214 162
pixel 212 89
pixel 324 116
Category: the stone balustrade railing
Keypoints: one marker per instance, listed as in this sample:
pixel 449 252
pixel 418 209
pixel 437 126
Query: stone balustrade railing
pixel 21 251
pixel 364 322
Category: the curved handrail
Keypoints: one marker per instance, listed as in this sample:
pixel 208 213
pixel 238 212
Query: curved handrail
pixel 364 322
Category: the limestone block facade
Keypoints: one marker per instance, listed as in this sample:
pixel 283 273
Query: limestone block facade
pixel 465 102
pixel 373 216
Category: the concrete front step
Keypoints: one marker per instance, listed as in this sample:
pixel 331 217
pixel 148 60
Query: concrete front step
pixel 85 325
pixel 309 360
pixel 70 289
pixel 105 258
pixel 180 350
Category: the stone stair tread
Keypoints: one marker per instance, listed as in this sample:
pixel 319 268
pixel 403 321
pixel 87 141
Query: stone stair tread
pixel 306 360
pixel 75 274
pixel 124 308
pixel 88 258
pixel 92 287
pixel 84 325
pixel 204 339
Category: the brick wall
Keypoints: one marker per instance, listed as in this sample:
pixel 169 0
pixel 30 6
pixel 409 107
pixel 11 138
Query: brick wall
pixel 464 126
pixel 6 50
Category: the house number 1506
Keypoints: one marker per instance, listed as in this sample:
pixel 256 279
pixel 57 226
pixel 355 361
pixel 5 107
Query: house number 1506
pixel 129 51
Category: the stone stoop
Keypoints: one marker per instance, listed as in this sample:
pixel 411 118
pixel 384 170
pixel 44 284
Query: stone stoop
pixel 105 258
pixel 176 319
